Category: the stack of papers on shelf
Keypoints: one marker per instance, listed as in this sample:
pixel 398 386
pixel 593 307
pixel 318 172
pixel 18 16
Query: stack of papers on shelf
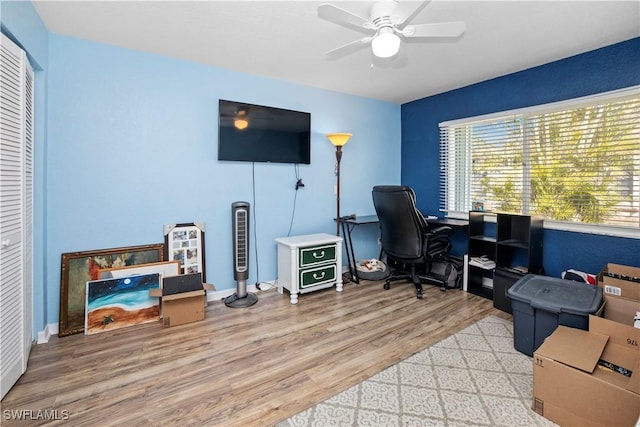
pixel 482 262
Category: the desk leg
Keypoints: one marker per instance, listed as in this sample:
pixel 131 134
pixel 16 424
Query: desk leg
pixel 351 257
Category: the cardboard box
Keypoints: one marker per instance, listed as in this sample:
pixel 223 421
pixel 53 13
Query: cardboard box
pixel 576 380
pixel 620 281
pixel 621 310
pixel 182 299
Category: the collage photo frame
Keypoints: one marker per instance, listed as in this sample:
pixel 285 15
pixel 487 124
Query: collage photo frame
pixel 185 243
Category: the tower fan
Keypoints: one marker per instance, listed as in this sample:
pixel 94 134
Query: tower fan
pixel 240 220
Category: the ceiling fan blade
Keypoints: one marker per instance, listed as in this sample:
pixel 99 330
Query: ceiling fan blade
pixel 444 29
pixel 349 47
pixel 408 11
pixel 340 16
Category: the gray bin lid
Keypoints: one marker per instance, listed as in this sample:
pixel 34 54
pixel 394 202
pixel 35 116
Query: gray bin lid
pixel 556 295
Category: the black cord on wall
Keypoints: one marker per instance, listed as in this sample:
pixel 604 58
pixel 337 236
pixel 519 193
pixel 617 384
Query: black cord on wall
pixel 255 222
pixel 299 184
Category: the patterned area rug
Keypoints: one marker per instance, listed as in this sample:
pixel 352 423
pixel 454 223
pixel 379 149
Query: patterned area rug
pixel 472 378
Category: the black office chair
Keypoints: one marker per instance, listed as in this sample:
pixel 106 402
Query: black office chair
pixel 406 237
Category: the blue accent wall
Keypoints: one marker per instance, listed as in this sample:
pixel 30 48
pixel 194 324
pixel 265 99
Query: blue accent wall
pixel 609 68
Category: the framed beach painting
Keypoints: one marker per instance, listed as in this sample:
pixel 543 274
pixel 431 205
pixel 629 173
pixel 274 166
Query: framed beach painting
pixel 80 267
pixel 185 243
pixel 119 303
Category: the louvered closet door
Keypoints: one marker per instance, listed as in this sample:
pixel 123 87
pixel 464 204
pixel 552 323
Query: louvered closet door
pixel 16 213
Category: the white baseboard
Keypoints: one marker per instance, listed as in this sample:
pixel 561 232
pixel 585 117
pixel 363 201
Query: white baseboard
pixel 219 295
pixel 44 335
pixel 52 328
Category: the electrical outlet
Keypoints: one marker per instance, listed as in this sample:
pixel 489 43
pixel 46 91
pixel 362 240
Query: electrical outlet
pixel 335 189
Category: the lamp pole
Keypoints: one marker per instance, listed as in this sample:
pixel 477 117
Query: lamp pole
pixel 338 139
pixel 338 158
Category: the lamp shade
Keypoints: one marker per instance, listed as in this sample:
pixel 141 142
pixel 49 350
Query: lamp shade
pixel 386 43
pixel 338 139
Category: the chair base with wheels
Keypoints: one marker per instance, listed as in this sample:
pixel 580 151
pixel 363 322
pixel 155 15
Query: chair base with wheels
pixel 408 272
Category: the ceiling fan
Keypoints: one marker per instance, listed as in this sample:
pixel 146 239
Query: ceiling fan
pixel 389 21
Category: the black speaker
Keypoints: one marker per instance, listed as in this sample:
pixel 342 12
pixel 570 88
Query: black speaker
pixel 240 237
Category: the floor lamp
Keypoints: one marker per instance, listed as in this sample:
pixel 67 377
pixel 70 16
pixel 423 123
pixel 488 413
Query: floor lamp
pixel 338 139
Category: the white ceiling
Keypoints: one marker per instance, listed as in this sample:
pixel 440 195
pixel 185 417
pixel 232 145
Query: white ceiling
pixel 286 40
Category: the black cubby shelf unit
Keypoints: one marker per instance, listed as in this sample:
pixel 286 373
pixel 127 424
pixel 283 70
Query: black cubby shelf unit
pixel 513 242
pixel 482 243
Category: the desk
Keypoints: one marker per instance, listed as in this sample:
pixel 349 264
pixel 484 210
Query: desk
pixel 348 224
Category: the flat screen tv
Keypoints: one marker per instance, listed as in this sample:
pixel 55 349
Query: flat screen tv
pixel 255 133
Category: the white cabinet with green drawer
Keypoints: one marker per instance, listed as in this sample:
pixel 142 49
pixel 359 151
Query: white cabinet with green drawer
pixel 308 263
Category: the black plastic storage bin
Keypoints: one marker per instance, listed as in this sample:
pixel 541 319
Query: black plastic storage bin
pixel 542 303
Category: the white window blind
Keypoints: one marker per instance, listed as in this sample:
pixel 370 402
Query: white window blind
pixel 576 161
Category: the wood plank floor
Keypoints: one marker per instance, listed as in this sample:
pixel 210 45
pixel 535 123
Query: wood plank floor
pixel 239 367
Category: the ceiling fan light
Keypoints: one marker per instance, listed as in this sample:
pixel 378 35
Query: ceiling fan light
pixel 386 43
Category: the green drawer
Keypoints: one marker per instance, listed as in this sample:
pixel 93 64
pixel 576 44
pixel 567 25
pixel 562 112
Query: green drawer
pixel 317 254
pixel 317 276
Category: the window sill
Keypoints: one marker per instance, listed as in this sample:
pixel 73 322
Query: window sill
pixel 605 230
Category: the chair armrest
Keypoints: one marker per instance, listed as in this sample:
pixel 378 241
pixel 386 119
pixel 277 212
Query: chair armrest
pixel 436 242
pixel 443 230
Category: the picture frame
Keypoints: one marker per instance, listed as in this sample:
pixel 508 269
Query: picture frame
pixel 164 268
pixel 77 268
pixel 117 303
pixel 185 243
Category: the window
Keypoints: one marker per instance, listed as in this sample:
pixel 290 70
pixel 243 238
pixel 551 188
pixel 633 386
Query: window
pixel 573 162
